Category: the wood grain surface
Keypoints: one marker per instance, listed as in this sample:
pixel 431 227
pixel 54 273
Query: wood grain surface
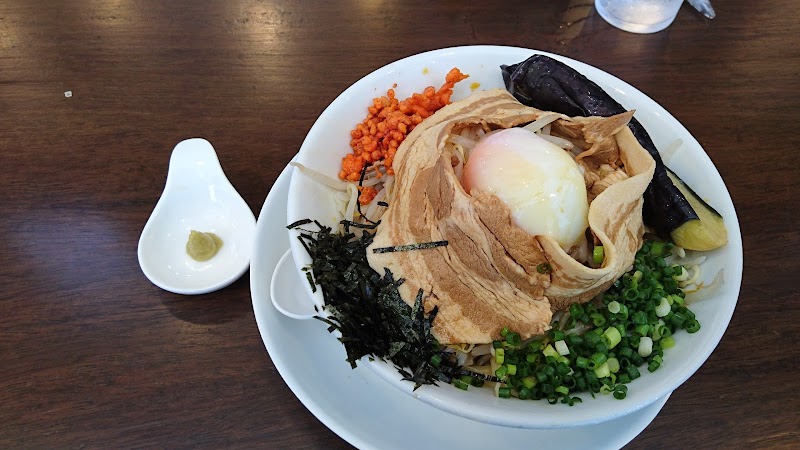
pixel 93 355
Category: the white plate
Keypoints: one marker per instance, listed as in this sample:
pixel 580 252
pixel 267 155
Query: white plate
pixel 362 408
pixel 327 142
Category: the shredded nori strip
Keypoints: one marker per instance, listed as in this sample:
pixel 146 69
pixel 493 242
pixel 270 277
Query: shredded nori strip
pixel 367 226
pixel 382 203
pixel 358 202
pixel 403 248
pixel 299 223
pixel 366 308
pixel 484 377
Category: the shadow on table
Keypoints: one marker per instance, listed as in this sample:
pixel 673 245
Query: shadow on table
pixel 218 307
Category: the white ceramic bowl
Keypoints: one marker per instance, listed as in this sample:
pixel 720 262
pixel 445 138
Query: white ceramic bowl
pixel 328 141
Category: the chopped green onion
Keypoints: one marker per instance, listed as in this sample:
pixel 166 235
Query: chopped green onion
pixel 460 384
pixel 524 393
pixel 573 340
pixel 598 320
pixel 511 369
pixel 501 371
pixel 613 365
pixel 645 346
pixel 602 370
pixel 691 326
pixel 640 318
pixel 657 248
pixel 667 342
pixel 633 372
pixel 599 358
pixel 541 377
pixel 561 348
pixel 550 351
pixel 598 254
pixel 563 368
pixel 529 382
pixel 582 362
pixel 504 392
pixel 620 391
pixel 663 308
pixel 544 268
pixel 678 319
pixel 499 355
pixel 656 335
pixel 613 307
pixel 612 336
pixel 562 390
pixel 436 360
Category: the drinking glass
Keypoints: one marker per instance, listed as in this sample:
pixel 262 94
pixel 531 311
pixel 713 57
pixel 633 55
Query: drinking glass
pixel 638 16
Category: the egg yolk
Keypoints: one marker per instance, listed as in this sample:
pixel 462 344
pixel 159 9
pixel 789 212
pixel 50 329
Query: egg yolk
pixel 536 179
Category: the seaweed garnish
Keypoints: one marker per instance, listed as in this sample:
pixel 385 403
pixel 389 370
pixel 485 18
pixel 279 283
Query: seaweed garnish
pixel 299 223
pixel 366 226
pixel 366 308
pixel 406 247
pixel 358 202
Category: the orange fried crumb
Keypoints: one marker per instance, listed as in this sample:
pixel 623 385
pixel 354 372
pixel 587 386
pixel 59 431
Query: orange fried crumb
pixel 387 124
pixel 368 193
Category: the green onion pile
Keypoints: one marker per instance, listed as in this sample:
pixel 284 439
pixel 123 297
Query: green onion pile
pixel 599 347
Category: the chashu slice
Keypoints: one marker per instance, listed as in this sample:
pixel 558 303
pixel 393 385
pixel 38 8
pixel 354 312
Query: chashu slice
pixel 486 278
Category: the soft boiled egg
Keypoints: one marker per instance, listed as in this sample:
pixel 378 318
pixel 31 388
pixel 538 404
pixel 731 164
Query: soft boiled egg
pixel 538 180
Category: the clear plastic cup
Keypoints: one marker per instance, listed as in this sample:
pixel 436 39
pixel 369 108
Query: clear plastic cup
pixel 638 16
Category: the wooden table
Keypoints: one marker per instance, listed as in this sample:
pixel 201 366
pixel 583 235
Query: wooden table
pixel 93 355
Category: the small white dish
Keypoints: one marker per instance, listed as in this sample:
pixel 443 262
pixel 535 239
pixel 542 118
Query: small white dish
pixel 197 196
pixel 287 291
pixel 363 409
pixel 327 142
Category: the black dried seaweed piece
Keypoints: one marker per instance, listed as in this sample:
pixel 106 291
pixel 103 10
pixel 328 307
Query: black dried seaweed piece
pixel 407 247
pixel 299 223
pixel 550 85
pixel 358 202
pixel 484 377
pixel 366 226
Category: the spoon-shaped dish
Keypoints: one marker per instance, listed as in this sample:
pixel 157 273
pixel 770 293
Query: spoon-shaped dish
pixel 197 196
pixel 288 294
